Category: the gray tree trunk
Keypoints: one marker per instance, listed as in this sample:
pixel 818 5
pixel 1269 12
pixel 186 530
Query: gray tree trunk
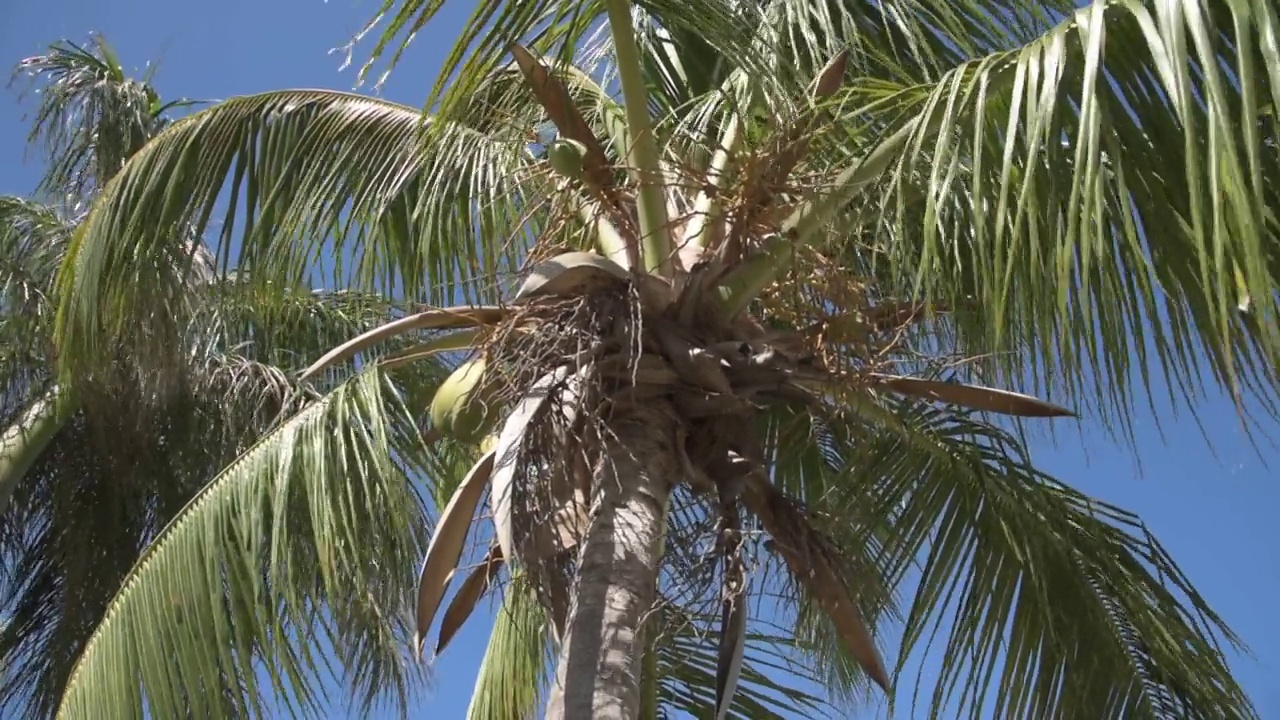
pixel 600 666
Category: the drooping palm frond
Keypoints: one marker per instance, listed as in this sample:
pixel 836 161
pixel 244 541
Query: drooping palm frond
pixel 408 221
pixel 88 506
pixel 1040 601
pixel 282 327
pixel 316 526
pixel 137 450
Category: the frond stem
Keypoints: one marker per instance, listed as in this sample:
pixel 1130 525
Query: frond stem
pixel 29 435
pixel 643 160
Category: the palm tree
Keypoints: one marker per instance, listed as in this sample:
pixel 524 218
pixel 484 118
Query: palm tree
pixel 241 342
pixel 829 219
pixel 93 466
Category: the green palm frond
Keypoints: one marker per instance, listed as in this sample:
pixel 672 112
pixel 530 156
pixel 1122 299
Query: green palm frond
pixel 405 221
pixel 903 39
pixel 139 449
pixel 286 328
pixel 320 511
pixel 110 478
pixel 513 674
pixel 33 240
pixel 34 237
pixel 91 118
pixel 1105 193
pixel 1048 602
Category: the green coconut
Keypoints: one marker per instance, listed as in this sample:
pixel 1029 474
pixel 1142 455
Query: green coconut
pixel 465 407
pixel 566 158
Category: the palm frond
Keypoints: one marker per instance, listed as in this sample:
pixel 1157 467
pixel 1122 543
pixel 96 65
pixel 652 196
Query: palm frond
pixel 1050 603
pixel 286 328
pixel 1106 195
pixel 33 239
pixel 91 116
pixel 411 216
pixel 108 481
pixel 513 674
pixel 702 41
pixel 138 450
pixel 308 534
pixel 973 397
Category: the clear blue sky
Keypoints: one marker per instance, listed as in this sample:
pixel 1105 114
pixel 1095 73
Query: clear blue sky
pixel 1215 511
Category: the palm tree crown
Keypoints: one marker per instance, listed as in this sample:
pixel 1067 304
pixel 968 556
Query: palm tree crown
pixel 760 257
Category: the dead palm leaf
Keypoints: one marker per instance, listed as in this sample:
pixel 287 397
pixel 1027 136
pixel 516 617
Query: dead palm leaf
pixel 509 453
pixel 469 593
pixel 795 540
pixel 446 545
pixel 571 274
pixel 451 317
pixel 974 397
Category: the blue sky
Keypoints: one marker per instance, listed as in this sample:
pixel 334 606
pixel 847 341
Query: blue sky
pixel 1214 510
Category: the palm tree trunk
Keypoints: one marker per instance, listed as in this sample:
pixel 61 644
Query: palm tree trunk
pixel 28 436
pixel 600 666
